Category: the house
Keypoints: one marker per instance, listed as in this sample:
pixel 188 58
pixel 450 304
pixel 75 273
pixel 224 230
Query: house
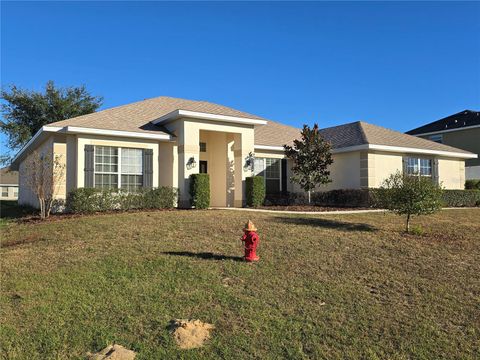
pixel 460 130
pixel 162 141
pixel 8 184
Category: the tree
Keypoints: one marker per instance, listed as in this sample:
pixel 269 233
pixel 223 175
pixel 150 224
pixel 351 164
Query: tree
pixel 409 195
pixel 25 112
pixel 311 157
pixel 43 174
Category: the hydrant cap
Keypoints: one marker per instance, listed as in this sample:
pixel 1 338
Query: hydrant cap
pixel 249 226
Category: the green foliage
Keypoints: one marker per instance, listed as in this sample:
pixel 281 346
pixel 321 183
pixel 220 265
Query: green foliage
pixel 343 198
pixel 409 195
pixel 25 111
pixel 472 184
pixel 311 157
pixel 461 198
pixel 200 191
pixel 255 191
pixel 88 200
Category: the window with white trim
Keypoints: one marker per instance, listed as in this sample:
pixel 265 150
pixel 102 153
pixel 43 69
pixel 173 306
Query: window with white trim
pixel 419 166
pixel 4 191
pixel 15 191
pixel 270 170
pixel 118 168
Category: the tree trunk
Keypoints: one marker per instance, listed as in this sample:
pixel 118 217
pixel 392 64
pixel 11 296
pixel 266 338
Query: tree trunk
pixel 408 224
pixel 309 197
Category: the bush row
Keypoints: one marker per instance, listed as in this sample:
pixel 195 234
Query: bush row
pixel 461 198
pixel 367 198
pixel 473 184
pixel 88 200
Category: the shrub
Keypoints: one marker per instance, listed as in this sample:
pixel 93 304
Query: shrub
pixel 88 200
pixel 461 198
pixel 164 197
pixel 200 191
pixel 409 195
pixel 255 191
pixel 472 184
pixel 343 198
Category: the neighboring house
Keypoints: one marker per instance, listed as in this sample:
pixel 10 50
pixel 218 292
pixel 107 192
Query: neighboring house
pixel 162 141
pixel 8 184
pixel 461 130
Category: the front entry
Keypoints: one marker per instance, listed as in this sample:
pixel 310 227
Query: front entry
pixel 203 167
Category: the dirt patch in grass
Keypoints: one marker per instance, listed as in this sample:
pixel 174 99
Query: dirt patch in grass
pixel 113 352
pixel 190 334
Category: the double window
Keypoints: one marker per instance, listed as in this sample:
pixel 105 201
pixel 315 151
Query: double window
pixel 118 168
pixel 270 170
pixel 419 166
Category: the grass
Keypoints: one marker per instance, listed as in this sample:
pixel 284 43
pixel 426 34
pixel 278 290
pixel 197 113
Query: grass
pixel 332 286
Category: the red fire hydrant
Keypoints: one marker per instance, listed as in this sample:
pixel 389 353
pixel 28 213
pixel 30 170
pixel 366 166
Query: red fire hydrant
pixel 250 239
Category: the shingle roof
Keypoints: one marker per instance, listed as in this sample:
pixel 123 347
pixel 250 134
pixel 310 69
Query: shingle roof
pixel 8 176
pixel 137 116
pixel 352 134
pixel 463 119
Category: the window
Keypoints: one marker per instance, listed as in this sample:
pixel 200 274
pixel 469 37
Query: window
pixel 4 191
pixel 15 192
pixel 437 138
pixel 269 169
pixel 419 166
pixel 113 171
pixel 203 147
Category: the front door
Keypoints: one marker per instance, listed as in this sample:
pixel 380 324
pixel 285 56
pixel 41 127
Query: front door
pixel 203 167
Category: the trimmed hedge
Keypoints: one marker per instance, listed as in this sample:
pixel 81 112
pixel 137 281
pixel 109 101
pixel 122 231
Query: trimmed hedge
pixel 255 191
pixel 343 198
pixel 472 184
pixel 88 200
pixel 461 198
pixel 200 191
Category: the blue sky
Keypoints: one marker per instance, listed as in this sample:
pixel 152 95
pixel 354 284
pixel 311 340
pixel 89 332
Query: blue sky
pixel 393 64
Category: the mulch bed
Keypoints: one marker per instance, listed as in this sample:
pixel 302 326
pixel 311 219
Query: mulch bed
pixel 312 208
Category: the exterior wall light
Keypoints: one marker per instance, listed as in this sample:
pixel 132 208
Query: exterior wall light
pixel 191 163
pixel 249 161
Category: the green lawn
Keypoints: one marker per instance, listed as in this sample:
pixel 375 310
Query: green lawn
pixel 332 286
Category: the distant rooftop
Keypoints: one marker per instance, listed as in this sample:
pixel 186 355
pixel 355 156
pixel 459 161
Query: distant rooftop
pixel 463 119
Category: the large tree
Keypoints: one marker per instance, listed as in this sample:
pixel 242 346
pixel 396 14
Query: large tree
pixel 311 157
pixel 26 111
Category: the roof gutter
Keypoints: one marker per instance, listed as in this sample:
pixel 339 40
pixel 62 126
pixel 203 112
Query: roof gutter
pixel 81 130
pixel 445 131
pixel 395 149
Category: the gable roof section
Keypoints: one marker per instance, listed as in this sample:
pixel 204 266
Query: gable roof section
pixel 353 136
pixel 458 121
pixel 137 117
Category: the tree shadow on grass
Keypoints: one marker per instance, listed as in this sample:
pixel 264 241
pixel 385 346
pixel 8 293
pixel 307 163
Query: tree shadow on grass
pixel 203 255
pixel 326 223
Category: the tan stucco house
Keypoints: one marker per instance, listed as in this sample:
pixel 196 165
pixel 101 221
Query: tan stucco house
pixel 161 141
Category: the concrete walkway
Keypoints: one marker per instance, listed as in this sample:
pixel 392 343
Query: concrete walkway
pixel 334 212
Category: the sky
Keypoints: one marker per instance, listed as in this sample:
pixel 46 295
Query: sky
pixel 394 64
